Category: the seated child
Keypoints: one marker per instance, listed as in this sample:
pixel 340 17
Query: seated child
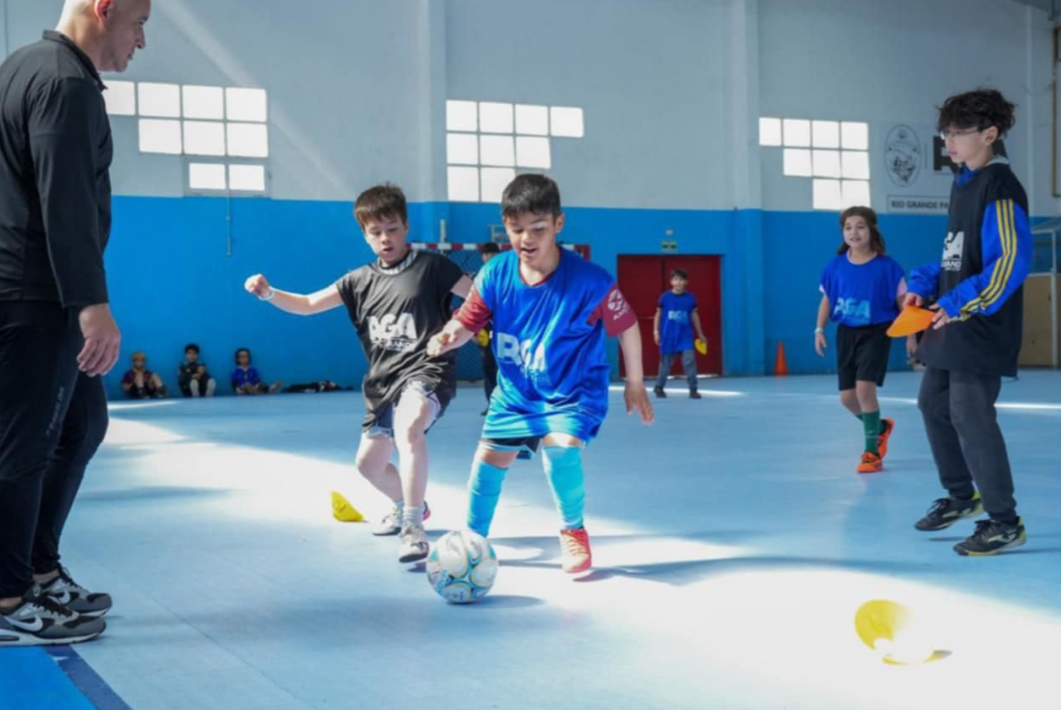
pixel 192 376
pixel 246 380
pixel 141 383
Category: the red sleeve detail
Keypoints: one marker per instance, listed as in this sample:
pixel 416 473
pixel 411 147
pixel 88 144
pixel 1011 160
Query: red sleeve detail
pixel 616 313
pixel 474 314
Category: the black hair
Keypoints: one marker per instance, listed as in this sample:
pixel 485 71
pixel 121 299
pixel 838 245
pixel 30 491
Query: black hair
pixel 981 109
pixel 531 194
pixel 490 248
pixel 193 347
pixel 876 239
pixel 680 273
pixel 243 350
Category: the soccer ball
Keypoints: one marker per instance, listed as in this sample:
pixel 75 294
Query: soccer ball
pixel 462 567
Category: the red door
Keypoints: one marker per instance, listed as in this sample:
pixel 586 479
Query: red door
pixel 643 279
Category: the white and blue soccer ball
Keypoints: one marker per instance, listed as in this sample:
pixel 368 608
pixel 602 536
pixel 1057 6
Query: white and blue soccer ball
pixel 462 567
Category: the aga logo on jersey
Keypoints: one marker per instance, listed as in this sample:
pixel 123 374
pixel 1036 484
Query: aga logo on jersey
pixel 394 333
pixel 522 354
pixel 678 316
pixel 853 311
pixel 952 251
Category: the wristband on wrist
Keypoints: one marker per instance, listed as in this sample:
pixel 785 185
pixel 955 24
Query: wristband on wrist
pixel 269 296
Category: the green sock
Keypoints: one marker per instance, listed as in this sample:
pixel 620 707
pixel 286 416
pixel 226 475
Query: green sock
pixel 871 425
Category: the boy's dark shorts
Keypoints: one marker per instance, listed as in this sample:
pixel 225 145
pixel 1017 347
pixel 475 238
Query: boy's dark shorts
pixel 862 354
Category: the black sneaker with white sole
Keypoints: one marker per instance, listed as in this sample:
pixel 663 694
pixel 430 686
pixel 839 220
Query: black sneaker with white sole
pixel 992 537
pixel 947 511
pixel 64 590
pixel 40 621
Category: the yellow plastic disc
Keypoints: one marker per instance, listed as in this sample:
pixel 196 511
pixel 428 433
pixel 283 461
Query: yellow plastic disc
pixel 343 511
pixel 701 346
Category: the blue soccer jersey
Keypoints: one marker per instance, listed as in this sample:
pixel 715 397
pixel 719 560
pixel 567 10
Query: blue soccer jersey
pixel 553 369
pixel 863 294
pixel 676 325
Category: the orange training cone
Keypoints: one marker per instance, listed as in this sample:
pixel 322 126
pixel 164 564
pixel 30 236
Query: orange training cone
pixel 781 364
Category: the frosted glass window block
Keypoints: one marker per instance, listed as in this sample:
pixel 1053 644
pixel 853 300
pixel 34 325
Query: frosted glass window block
pixel 797 163
pixel 462 149
pixel 855 165
pixel 493 182
pixel 248 140
pixel 797 133
pixel 495 118
pixel 160 100
pixel 462 116
pixel 246 105
pixel 247 178
pixel 854 135
pixel 827 195
pixel 497 150
pixel 532 120
pixel 770 131
pixel 120 97
pixel 533 153
pixel 566 122
pixel 204 102
pixel 826 134
pixel 207 176
pixel 159 136
pixel 827 163
pixel 856 192
pixel 463 184
pixel 204 138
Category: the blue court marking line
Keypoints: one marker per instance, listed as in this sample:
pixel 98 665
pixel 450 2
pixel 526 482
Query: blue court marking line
pixel 94 688
pixel 55 678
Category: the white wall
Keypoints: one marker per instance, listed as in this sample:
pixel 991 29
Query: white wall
pixel 894 62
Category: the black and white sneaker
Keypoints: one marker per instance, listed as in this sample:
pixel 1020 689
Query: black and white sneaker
pixel 947 511
pixel 40 621
pixel 66 592
pixel 992 537
pixel 391 523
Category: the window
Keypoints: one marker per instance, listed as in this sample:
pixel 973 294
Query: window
pixel 770 131
pixel 248 140
pixel 160 100
pixel 204 138
pixel 246 178
pixel 204 102
pixel 834 154
pixel 487 141
pixel 158 136
pixel 246 105
pixel 207 176
pixel 120 97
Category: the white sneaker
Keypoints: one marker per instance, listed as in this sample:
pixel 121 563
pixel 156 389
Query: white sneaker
pixel 391 523
pixel 414 544
pixel 40 621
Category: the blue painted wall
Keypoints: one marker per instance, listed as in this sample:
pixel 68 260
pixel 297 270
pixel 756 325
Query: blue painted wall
pixel 173 279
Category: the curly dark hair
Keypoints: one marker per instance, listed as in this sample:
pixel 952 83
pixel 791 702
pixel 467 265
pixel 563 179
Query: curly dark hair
pixel 982 109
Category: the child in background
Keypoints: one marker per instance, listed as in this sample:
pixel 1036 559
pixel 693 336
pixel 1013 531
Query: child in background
pixel 141 383
pixel 861 291
pixel 551 310
pixel 246 380
pixel 488 251
pixel 192 376
pixel 676 318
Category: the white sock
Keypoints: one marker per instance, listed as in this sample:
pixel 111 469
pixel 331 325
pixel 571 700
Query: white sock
pixel 413 516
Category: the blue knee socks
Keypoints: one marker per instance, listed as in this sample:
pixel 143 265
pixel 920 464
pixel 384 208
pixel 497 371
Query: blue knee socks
pixel 563 467
pixel 484 490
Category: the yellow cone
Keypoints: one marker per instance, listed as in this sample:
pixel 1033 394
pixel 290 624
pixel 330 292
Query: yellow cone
pixel 701 346
pixel 887 628
pixel 483 338
pixel 343 511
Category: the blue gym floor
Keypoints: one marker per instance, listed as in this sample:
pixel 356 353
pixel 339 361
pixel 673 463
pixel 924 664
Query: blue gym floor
pixel 733 542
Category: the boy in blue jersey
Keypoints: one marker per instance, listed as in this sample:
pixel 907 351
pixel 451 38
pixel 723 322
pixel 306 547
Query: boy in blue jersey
pixel 676 317
pixel 551 310
pixel 976 337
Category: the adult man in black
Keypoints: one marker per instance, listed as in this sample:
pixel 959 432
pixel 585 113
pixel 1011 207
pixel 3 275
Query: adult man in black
pixel 57 335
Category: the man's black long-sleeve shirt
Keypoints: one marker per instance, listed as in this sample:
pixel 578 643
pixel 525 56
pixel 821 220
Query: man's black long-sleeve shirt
pixel 55 191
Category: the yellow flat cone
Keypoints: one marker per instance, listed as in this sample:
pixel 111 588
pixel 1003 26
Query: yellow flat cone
pixel 887 628
pixel 701 346
pixel 343 511
pixel 483 338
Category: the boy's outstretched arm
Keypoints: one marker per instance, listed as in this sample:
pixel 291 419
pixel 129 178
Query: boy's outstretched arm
pixel 636 395
pixel 297 303
pixel 469 320
pixel 453 336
